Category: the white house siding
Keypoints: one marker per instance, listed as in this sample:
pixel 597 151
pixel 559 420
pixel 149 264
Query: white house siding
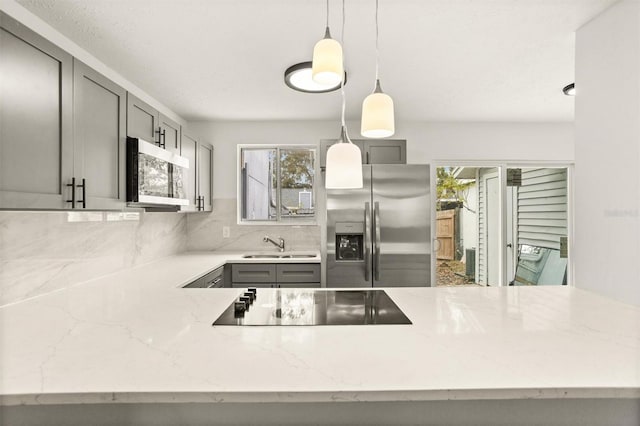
pixel 542 207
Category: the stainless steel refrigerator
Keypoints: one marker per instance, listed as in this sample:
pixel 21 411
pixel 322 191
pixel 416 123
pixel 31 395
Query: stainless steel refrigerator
pixel 379 236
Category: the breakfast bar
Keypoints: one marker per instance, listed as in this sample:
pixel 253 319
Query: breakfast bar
pixel 136 340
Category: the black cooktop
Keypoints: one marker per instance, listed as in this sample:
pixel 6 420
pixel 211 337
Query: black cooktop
pixel 313 307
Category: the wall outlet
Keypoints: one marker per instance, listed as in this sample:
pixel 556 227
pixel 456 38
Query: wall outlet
pixel 226 232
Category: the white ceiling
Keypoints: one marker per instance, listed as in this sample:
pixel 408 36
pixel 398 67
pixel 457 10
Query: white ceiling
pixel 441 60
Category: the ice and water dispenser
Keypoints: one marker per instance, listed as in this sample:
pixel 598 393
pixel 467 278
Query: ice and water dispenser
pixel 349 241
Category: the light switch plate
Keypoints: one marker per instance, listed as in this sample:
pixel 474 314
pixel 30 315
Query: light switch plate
pixel 226 232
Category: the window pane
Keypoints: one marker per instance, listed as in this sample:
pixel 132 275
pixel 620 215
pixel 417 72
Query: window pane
pixel 296 179
pixel 259 184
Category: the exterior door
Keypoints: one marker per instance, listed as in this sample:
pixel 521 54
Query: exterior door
pixel 36 141
pixel 401 220
pixel 492 229
pixel 99 138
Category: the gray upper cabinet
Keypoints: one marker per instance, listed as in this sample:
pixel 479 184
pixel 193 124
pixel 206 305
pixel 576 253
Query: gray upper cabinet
pixel 205 176
pixel 143 121
pixel 36 151
pixel 189 150
pixel 198 182
pixel 374 151
pixel 385 151
pixel 99 107
pixel 170 133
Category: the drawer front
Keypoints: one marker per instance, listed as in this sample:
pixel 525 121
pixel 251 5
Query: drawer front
pixel 298 273
pixel 298 285
pixel 256 285
pixel 214 279
pixel 253 273
pixel 199 283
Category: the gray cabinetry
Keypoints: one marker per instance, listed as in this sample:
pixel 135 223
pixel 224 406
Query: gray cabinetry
pixel 198 181
pixel 170 134
pixel 374 151
pixel 143 121
pixel 261 275
pixel 99 107
pixel 205 176
pixel 189 150
pixel 214 279
pixel 36 151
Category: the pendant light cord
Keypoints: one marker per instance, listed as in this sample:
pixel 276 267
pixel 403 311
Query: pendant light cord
pixel 344 101
pixel 327 26
pixel 377 47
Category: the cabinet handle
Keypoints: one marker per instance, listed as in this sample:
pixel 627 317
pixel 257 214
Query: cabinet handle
pixel 73 193
pixel 162 137
pixel 84 193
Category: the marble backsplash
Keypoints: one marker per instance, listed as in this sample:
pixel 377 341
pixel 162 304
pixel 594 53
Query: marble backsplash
pixel 204 232
pixel 42 252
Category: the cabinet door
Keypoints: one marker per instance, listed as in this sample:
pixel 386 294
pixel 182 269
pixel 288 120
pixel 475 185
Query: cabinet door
pixel 99 138
pixel 205 176
pixel 189 150
pixel 386 151
pixel 143 121
pixel 36 145
pixel 170 131
pixel 253 273
pixel 298 273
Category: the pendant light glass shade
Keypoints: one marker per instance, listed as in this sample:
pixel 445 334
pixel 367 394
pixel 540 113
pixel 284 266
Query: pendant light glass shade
pixel 344 164
pixel 378 118
pixel 326 67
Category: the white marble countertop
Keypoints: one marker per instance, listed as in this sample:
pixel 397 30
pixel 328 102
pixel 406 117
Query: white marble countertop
pixel 135 336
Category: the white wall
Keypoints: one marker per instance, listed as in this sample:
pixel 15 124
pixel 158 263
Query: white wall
pixel 607 155
pixel 425 141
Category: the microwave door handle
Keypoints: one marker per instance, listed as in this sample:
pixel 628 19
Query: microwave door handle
pixel 376 225
pixel 367 241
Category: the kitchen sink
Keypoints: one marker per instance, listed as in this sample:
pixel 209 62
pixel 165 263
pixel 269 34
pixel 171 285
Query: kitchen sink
pixel 279 256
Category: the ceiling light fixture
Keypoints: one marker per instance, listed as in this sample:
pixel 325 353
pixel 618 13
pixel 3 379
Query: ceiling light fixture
pixel 344 159
pixel 327 63
pixel 298 77
pixel 378 119
pixel 569 89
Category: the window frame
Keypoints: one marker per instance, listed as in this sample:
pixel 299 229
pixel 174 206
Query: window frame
pixel 279 220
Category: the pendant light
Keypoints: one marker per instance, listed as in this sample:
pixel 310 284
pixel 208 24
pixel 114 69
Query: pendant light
pixel 327 64
pixel 344 160
pixel 377 109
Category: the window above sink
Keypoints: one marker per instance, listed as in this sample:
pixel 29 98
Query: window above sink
pixel 276 184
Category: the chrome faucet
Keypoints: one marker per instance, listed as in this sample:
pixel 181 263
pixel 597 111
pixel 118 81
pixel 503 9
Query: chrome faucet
pixel 279 244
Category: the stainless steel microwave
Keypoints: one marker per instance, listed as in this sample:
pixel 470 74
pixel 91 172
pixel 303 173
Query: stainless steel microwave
pixel 155 176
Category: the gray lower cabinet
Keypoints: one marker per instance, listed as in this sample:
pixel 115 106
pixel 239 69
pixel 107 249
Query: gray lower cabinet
pixel 214 279
pixel 199 177
pixel 374 151
pixel 99 107
pixel 275 275
pixel 36 107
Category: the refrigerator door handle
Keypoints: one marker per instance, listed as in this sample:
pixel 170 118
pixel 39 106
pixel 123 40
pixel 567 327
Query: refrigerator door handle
pixel 376 240
pixel 367 241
